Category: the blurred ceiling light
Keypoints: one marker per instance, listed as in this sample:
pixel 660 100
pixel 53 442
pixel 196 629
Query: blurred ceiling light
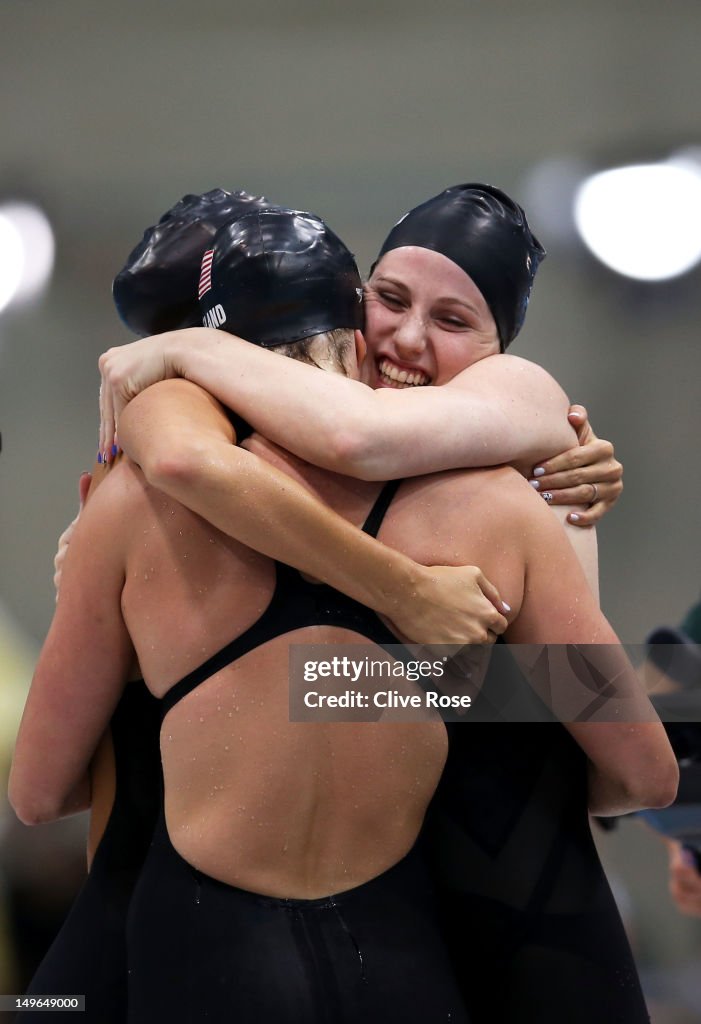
pixel 643 221
pixel 26 252
pixel 11 260
pixel 688 156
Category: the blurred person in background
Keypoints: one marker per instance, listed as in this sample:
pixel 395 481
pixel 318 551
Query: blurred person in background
pixel 684 878
pixel 672 673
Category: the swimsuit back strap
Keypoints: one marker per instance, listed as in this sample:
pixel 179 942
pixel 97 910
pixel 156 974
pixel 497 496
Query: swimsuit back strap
pixel 379 509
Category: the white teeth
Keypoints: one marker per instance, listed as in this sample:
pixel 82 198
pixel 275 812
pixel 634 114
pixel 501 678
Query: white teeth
pixel 404 378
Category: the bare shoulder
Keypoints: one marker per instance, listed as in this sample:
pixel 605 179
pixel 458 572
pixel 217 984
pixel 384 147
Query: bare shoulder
pixel 121 492
pixel 476 517
pixel 507 495
pixel 501 491
pixel 506 370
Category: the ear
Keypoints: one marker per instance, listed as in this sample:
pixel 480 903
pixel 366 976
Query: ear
pixel 360 347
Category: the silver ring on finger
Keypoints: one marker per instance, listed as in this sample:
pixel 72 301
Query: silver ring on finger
pixel 595 495
pixel 548 496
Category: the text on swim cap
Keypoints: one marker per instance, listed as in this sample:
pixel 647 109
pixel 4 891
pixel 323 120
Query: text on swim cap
pixel 214 317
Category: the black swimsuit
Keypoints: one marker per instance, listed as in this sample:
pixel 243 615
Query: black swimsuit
pixel 88 956
pixel 200 949
pixel 297 603
pixel 526 908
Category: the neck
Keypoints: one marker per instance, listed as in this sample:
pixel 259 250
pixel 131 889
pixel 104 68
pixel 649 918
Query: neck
pixel 346 495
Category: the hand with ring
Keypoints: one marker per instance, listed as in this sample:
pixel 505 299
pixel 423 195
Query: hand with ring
pixel 588 474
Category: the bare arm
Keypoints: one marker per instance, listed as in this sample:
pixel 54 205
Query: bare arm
pixel 79 677
pixel 631 763
pixel 502 409
pixel 99 782
pixel 499 410
pixel 183 442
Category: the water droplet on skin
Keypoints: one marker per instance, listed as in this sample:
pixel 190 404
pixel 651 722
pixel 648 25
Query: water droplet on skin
pixel 226 748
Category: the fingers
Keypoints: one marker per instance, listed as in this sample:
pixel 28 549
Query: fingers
pixel 65 538
pixel 579 418
pixel 585 494
pixel 59 558
pixel 588 476
pixel 83 487
pixel 590 516
pixel 608 471
pixel 596 500
pixel 110 426
pixel 63 542
pixel 101 399
pixel 578 412
pixel 590 454
pixel 492 594
pixel 496 625
pixel 106 449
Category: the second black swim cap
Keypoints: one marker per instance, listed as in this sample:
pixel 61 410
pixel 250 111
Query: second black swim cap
pixel 486 233
pixel 156 289
pixel 277 276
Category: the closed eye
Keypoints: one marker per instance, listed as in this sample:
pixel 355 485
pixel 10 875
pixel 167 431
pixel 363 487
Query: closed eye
pixel 390 299
pixel 452 321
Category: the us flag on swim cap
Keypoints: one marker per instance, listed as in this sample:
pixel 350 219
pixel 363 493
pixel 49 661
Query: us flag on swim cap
pixel 206 273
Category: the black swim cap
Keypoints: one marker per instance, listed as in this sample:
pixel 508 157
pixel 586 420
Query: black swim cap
pixel 156 290
pixel 277 276
pixel 486 233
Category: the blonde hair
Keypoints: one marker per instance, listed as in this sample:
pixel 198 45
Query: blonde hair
pixel 329 351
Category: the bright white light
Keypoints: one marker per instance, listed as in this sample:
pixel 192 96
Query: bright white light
pixel 38 247
pixel 643 221
pixel 12 260
pixel 688 156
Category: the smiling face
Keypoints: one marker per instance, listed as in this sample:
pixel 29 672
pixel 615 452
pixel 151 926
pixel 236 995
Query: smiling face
pixel 425 320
